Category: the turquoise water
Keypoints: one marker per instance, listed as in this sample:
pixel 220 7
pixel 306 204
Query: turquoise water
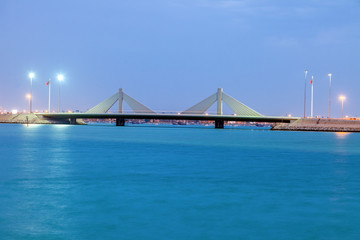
pixel 107 182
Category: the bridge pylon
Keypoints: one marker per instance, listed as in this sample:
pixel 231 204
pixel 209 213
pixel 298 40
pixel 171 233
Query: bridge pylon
pixel 219 100
pixel 120 97
pixel 121 100
pixel 239 108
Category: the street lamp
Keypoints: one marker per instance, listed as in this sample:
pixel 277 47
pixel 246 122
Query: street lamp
pixel 31 76
pixel 60 78
pixel 28 96
pixel 329 94
pixel 342 99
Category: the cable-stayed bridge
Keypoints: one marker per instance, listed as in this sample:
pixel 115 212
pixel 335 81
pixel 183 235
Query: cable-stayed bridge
pixel 196 112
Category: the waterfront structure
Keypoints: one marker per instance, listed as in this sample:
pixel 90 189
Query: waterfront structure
pixel 242 113
pixel 196 112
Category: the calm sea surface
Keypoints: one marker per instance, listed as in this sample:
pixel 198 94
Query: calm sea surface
pixel 107 182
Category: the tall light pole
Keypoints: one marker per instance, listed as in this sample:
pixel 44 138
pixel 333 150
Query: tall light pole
pixel 305 95
pixel 60 78
pixel 342 99
pixel 31 76
pixel 49 84
pixel 329 94
pixel 29 97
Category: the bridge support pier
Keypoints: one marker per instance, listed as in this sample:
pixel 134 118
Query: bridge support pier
pixel 120 122
pixel 219 123
pixel 73 121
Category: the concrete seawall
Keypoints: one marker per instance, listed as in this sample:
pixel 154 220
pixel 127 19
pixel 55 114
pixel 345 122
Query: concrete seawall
pixel 33 119
pixel 320 124
pixel 308 124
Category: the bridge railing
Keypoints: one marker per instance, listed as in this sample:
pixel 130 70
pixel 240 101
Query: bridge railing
pixel 170 112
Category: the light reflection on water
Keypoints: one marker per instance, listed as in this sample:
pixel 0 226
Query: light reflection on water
pixel 62 126
pixel 342 135
pixel 32 125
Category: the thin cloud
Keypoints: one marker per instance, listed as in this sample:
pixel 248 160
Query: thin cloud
pixel 272 7
pixel 338 35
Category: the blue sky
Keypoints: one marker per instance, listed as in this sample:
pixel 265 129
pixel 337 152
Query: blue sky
pixel 172 54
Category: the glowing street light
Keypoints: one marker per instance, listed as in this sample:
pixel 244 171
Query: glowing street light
pixel 60 78
pixel 31 76
pixel 329 94
pixel 342 99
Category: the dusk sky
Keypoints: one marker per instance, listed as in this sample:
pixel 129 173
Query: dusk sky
pixel 169 55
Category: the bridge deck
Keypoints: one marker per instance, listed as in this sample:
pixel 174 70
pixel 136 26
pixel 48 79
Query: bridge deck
pixel 202 117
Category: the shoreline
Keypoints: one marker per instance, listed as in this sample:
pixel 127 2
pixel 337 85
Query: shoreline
pixel 302 124
pixel 320 125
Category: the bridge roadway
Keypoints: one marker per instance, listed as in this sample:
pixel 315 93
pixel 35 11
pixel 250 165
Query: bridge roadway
pixel 121 117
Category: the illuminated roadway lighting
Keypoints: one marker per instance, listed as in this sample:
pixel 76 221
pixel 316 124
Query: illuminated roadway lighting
pixel 342 99
pixel 60 77
pixel 31 75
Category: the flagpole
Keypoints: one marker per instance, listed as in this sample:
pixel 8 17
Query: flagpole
pixel 329 95
pixel 305 95
pixel 49 93
pixel 312 96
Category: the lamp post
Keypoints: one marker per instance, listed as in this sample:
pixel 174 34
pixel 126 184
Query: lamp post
pixel 60 78
pixel 329 94
pixel 31 76
pixel 49 84
pixel 29 97
pixel 342 99
pixel 305 95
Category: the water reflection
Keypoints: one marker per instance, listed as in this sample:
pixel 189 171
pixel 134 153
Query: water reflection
pixel 65 181
pixel 32 125
pixel 342 135
pixel 61 126
pixel 44 164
